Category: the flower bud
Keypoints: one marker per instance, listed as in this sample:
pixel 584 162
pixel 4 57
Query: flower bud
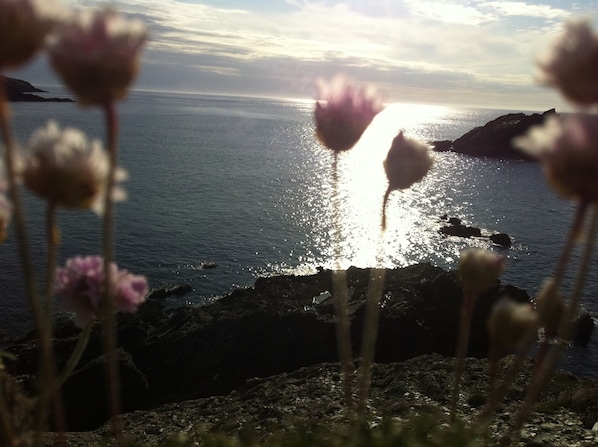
pixel 68 170
pixel 571 64
pixel 24 25
pixel 343 112
pixel 97 55
pixel 550 307
pixel 511 323
pixel 407 162
pixel 479 269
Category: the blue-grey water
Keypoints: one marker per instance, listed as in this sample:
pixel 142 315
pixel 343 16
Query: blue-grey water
pixel 242 182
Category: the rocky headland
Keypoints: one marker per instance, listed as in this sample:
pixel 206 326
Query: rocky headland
pixel 263 356
pixel 495 138
pixel 19 90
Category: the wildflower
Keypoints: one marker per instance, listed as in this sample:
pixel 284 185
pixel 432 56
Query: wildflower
pixel 511 324
pixel 567 148
pixel 97 55
pixel 479 269
pixel 24 25
pixel 550 307
pixel 343 112
pixel 407 162
pixel 81 283
pixel 68 170
pixel 571 64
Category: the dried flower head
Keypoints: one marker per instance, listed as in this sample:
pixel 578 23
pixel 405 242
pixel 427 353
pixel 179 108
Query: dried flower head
pixel 343 112
pixel 81 283
pixel 567 148
pixel 571 64
pixel 24 25
pixel 97 55
pixel 479 269
pixel 408 161
pixel 68 170
pixel 511 323
pixel 550 307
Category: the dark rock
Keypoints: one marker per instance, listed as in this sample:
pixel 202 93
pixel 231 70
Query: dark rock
pixel 454 221
pixel 442 146
pixel 494 139
pixel 269 329
pixel 166 291
pixel 584 325
pixel 501 239
pixel 461 230
pixel 19 90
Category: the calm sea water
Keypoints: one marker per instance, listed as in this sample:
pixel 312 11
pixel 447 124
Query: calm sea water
pixel 241 182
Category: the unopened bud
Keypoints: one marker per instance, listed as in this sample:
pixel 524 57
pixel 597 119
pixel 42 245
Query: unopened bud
pixel 479 269
pixel 511 323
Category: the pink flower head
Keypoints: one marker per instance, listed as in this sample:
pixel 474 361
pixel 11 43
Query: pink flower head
pixel 97 55
pixel 81 283
pixel 65 168
pixel 24 25
pixel 343 112
pixel 567 148
pixel 571 64
pixel 408 161
pixel 479 269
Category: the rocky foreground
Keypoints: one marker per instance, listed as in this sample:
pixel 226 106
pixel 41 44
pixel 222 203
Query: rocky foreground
pixel 265 356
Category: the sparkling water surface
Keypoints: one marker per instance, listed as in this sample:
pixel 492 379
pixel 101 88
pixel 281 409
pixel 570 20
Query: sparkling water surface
pixel 242 182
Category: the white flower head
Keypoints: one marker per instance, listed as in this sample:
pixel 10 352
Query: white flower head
pixel 571 64
pixel 567 148
pixel 479 269
pixel 511 323
pixel 68 170
pixel 97 54
pixel 24 26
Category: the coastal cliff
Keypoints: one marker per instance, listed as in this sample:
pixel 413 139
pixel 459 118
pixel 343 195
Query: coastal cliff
pixel 18 90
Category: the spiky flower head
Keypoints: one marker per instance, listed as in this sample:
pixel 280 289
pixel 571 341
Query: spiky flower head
pixel 343 112
pixel 97 54
pixel 408 161
pixel 571 63
pixel 81 283
pixel 68 170
pixel 511 323
pixel 567 148
pixel 479 269
pixel 24 26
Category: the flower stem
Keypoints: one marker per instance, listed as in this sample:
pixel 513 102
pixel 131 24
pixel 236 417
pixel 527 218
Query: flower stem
pixel 469 299
pixel 45 358
pixel 75 355
pixel 576 227
pixel 341 299
pixel 109 330
pixel 565 331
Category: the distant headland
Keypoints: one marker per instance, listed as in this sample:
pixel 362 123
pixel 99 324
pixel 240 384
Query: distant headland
pixel 18 90
pixel 495 138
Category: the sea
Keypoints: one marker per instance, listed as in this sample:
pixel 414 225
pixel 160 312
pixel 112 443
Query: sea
pixel 241 185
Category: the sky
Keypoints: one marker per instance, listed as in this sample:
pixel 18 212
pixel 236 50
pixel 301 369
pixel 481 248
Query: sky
pixel 457 52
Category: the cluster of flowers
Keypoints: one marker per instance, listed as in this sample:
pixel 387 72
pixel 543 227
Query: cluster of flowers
pixel 96 53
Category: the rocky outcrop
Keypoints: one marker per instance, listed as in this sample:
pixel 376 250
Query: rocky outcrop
pixel 19 90
pixel 495 138
pixel 272 328
pixel 456 228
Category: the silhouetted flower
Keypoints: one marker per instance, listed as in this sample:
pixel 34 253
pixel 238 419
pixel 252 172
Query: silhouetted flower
pixel 66 169
pixel 550 307
pixel 479 269
pixel 24 25
pixel 343 112
pixel 407 162
pixel 97 55
pixel 567 148
pixel 571 64
pixel 511 323
pixel 81 283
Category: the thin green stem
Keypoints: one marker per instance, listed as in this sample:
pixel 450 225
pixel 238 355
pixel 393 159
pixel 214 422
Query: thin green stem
pixel 110 342
pixel 75 356
pixel 341 298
